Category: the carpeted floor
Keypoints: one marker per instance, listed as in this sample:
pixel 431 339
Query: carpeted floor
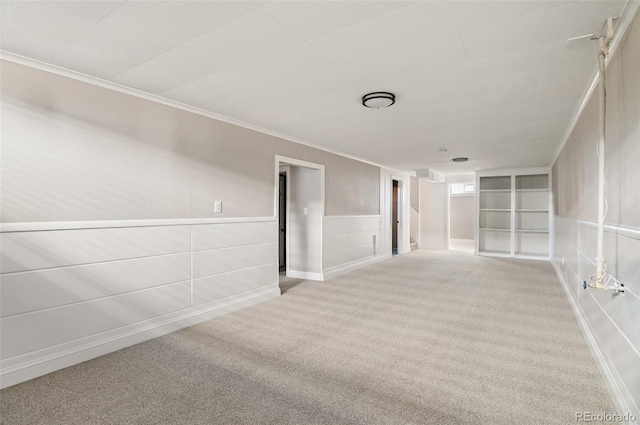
pixel 424 338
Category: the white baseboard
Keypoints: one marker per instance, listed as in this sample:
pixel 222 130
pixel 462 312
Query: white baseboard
pixel 348 267
pixel 466 241
pixel 297 274
pixel 441 247
pixel 621 397
pixel 32 366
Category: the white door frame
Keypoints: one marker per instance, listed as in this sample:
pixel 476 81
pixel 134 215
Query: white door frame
pixel 285 162
pixel 400 213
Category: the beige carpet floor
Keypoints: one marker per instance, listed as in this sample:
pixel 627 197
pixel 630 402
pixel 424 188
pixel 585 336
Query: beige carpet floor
pixel 430 337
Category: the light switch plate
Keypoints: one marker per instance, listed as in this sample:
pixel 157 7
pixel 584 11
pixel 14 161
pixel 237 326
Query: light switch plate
pixel 305 211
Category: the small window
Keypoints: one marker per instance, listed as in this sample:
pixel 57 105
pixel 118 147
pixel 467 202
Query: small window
pixel 463 189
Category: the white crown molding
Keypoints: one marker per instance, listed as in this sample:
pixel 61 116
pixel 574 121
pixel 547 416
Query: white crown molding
pixel 626 18
pixel 64 72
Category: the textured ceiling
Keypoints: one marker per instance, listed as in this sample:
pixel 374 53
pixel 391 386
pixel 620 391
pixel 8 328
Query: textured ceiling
pixel 491 80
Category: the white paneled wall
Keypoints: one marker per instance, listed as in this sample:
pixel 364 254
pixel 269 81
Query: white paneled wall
pixel 610 321
pixel 68 295
pixel 350 242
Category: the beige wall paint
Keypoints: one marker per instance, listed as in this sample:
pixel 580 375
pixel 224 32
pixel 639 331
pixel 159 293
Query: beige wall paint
pixel 461 217
pixel 72 151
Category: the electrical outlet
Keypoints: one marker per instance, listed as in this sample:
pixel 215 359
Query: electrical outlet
pixel 305 211
pixel 217 206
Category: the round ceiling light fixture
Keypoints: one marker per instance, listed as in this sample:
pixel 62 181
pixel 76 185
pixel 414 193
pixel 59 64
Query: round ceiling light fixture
pixel 460 160
pixel 378 99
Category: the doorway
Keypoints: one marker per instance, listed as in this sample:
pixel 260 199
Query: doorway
pixel 282 222
pixel 394 217
pixel 462 204
pixel 299 209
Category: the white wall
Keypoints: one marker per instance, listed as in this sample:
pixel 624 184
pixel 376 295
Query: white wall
pixel 68 295
pixel 462 210
pixel 611 323
pixel 433 215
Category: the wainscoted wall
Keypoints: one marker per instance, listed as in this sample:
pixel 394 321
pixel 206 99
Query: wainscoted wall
pixel 610 321
pixel 68 295
pixel 350 242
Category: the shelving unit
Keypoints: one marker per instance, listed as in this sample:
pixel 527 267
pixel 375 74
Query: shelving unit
pixel 513 214
pixel 495 215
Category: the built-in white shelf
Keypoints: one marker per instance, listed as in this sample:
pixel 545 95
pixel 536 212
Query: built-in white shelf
pixel 532 255
pixel 513 214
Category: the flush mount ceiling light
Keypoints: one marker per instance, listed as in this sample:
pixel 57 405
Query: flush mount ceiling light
pixel 379 99
pixel 460 160
pixel 444 151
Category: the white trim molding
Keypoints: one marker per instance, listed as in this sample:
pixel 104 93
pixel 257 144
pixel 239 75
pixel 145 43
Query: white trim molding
pixel 110 224
pixel 296 274
pixel 349 267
